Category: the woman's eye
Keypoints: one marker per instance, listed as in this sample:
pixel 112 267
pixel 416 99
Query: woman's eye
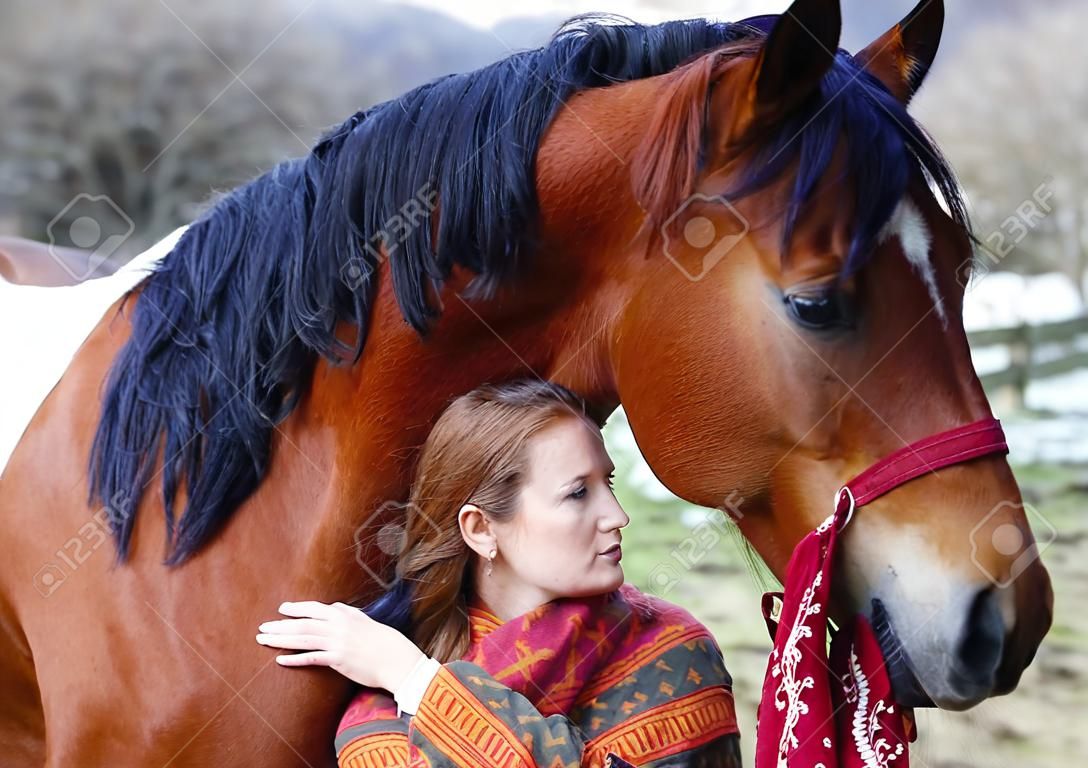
pixel 820 310
pixel 583 490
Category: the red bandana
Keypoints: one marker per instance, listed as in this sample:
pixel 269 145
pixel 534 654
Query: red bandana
pixel 839 712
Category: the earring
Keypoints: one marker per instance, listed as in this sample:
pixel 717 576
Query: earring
pixel 491 561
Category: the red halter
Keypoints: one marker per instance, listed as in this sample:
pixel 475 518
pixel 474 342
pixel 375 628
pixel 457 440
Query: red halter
pixel 838 711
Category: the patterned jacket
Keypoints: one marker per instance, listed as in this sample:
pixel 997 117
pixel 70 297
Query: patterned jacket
pixel 616 680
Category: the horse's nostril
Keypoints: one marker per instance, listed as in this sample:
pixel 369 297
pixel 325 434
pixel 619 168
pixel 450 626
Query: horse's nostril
pixel 983 640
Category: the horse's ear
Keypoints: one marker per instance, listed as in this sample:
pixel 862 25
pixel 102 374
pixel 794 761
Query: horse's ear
pixel 901 57
pixel 799 51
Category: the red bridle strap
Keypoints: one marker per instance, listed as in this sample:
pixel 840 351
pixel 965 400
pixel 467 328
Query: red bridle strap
pixel 927 455
pixel 825 709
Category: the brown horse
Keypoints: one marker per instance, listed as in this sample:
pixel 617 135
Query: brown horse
pixel 734 230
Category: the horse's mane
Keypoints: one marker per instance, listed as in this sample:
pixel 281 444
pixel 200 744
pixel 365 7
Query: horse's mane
pixel 227 331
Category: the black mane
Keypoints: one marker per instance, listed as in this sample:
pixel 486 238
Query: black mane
pixel 228 328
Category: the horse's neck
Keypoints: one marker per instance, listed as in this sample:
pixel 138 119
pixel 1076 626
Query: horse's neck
pixel 380 411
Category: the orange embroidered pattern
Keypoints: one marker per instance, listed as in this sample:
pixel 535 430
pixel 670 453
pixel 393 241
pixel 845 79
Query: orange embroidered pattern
pixel 451 717
pixel 668 728
pixel 376 750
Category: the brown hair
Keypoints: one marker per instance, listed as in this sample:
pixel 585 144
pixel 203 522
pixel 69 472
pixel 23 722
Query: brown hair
pixel 475 453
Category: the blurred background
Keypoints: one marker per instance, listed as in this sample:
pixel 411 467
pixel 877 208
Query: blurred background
pixel 148 109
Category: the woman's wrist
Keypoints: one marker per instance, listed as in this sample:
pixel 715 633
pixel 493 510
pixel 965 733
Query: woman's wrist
pixel 409 693
pixel 398 668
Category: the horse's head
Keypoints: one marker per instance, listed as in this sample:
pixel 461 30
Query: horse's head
pixel 797 316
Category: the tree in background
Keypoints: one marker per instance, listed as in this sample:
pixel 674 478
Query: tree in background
pixel 128 100
pixel 129 103
pixel 1009 110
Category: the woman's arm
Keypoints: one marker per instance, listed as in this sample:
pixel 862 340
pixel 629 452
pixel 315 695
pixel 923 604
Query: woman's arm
pixel 464 718
pixel 381 743
pixel 467 719
pixel 722 752
pixel 451 718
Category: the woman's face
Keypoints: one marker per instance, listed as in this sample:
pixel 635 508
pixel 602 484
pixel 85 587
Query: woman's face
pixel 567 517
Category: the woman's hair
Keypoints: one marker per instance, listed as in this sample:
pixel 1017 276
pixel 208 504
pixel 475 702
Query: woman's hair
pixel 476 453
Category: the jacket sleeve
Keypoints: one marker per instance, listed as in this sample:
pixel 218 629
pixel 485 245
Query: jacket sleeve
pixel 722 752
pixel 384 744
pixel 381 743
pixel 467 719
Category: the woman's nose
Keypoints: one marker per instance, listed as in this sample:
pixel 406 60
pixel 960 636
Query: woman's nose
pixel 615 517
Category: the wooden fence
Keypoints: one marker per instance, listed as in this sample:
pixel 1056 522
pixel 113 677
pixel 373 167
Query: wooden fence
pixel 1025 363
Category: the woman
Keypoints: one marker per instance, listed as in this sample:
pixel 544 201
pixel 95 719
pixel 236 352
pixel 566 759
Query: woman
pixel 509 637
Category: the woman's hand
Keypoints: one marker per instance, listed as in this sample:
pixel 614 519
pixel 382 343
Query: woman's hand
pixel 343 638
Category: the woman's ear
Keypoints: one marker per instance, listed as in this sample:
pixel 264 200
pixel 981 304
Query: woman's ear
pixel 476 529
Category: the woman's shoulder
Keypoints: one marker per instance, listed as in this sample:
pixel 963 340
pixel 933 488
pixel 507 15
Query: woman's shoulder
pixel 650 609
pixel 663 630
pixel 668 667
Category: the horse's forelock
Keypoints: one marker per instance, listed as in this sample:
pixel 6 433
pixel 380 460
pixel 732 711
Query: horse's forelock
pixel 884 145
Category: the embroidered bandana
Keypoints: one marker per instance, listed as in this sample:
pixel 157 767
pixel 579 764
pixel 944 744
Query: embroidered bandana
pixel 837 710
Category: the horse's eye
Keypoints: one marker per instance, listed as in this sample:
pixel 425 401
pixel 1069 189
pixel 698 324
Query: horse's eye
pixel 829 309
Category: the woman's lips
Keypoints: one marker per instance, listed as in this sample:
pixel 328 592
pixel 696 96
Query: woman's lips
pixel 613 553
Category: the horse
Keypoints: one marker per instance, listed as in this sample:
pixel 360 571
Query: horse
pixel 736 231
